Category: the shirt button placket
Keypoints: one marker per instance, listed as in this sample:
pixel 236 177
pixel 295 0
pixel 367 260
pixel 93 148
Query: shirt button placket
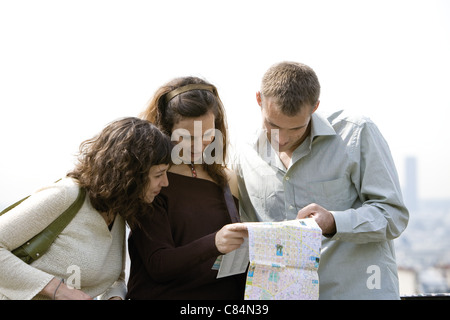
pixel 289 205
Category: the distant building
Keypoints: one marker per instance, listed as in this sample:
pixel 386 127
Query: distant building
pixel 410 188
pixel 445 271
pixel 408 281
pixel 432 280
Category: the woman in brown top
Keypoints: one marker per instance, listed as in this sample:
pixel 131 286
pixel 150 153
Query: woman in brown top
pixel 175 247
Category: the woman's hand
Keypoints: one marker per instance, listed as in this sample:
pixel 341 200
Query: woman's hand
pixel 57 290
pixel 230 237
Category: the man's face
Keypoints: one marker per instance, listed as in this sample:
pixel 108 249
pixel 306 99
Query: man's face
pixel 286 132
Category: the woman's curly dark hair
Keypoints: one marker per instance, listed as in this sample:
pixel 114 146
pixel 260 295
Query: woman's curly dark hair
pixel 114 166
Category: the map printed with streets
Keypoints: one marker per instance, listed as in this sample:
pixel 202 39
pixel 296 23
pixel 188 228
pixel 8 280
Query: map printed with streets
pixel 284 259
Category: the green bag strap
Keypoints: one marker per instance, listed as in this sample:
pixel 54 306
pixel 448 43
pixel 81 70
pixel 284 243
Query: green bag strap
pixel 18 202
pixel 13 205
pixel 34 248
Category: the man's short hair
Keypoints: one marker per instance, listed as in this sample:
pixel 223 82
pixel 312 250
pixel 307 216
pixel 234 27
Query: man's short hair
pixel 293 85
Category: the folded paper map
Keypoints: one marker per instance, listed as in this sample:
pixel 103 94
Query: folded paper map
pixel 284 259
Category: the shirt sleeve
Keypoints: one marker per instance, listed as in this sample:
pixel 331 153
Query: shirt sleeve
pixel 383 215
pixel 19 280
pixel 155 245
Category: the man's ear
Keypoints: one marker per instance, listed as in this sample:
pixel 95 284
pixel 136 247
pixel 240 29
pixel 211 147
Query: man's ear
pixel 316 107
pixel 258 98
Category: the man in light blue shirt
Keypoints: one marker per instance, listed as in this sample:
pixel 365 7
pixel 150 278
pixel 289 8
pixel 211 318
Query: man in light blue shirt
pixel 337 170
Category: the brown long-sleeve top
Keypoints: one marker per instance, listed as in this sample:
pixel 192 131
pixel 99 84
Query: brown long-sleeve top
pixel 173 251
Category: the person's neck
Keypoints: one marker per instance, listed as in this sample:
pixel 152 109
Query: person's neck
pixel 286 155
pixel 186 170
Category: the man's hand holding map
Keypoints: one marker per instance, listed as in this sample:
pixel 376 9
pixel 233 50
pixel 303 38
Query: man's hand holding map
pixel 284 259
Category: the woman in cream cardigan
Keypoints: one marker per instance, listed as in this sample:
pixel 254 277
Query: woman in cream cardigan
pixel 122 170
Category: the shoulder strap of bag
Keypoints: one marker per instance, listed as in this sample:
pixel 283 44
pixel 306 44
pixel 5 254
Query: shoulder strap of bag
pixel 34 248
pixel 17 203
pixel 231 205
pixel 13 205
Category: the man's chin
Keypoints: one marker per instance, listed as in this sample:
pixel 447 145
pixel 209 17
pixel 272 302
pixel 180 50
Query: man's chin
pixel 281 148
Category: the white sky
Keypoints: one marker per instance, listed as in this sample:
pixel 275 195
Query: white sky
pixel 67 68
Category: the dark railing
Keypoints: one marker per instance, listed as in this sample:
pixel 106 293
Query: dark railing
pixel 427 296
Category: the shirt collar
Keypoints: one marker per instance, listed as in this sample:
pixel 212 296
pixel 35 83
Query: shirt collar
pixel 320 126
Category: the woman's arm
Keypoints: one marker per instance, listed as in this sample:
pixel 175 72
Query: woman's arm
pixel 163 260
pixel 56 289
pixel 18 280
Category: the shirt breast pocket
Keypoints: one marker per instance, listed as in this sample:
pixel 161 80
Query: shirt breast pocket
pixel 267 195
pixel 338 194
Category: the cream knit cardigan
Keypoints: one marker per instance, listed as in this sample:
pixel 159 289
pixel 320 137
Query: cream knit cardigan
pixel 86 253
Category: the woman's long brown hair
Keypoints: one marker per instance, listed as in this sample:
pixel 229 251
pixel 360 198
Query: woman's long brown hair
pixel 194 103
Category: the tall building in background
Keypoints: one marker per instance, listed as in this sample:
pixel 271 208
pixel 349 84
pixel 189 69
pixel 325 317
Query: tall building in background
pixel 411 194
